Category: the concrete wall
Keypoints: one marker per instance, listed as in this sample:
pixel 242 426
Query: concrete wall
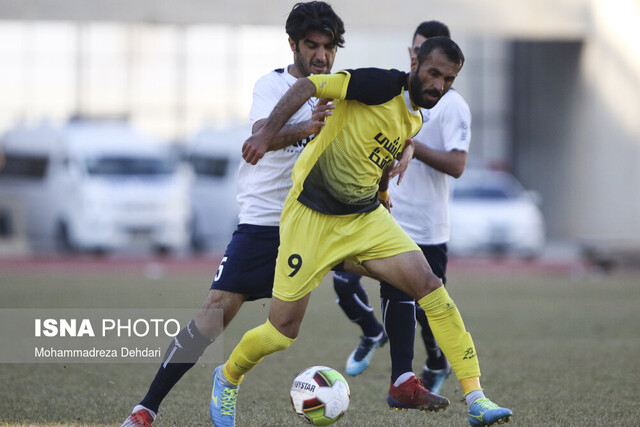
pixel 605 165
pixel 542 137
pixel 576 128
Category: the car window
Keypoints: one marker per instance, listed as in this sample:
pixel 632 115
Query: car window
pixel 124 166
pixel 487 185
pixel 492 193
pixel 24 166
pixel 210 166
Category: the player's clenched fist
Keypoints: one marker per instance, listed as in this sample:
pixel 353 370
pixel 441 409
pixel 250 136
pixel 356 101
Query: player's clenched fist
pixel 254 148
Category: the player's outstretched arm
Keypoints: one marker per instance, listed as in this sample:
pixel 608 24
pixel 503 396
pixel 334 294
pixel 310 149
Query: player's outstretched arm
pixel 261 141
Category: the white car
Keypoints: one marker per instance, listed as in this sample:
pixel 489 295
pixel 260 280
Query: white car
pixel 96 186
pixel 491 213
pixel 214 155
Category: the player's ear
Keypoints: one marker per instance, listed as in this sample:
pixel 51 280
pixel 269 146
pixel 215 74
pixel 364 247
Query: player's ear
pixel 292 45
pixel 414 64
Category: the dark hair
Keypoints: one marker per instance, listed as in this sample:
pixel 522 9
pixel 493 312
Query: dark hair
pixel 314 15
pixel 447 46
pixel 428 29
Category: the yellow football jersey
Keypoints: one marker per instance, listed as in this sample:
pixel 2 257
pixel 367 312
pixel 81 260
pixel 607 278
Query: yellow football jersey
pixel 339 171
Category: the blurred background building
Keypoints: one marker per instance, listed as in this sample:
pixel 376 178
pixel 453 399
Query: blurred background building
pixel 553 85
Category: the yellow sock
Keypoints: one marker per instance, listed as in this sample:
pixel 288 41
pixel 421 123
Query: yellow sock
pixel 230 376
pixel 252 348
pixel 470 384
pixel 449 331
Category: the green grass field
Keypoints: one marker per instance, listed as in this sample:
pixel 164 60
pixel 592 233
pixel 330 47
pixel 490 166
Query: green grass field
pixel 558 350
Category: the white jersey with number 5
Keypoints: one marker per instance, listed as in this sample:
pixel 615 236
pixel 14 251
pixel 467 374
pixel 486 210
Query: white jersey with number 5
pixel 263 188
pixel 421 201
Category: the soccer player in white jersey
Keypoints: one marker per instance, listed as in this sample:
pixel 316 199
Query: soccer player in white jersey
pixel 421 207
pixel 247 269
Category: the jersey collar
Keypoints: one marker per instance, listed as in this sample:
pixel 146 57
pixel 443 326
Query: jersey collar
pixel 410 105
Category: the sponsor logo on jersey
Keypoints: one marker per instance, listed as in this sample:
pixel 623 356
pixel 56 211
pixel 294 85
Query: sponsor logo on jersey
pixel 386 151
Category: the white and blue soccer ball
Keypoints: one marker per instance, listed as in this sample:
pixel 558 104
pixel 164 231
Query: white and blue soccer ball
pixel 320 395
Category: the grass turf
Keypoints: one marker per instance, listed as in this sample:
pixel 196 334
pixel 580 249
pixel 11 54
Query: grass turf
pixel 558 350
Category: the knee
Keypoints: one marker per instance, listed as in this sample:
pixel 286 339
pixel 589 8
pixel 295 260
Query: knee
pixel 428 283
pixel 288 329
pixel 272 338
pixel 433 282
pixel 217 311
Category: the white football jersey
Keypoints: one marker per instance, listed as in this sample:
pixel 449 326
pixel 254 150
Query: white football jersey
pixel 263 188
pixel 421 201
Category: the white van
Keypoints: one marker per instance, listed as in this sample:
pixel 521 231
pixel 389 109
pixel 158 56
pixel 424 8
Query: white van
pixel 96 186
pixel 214 155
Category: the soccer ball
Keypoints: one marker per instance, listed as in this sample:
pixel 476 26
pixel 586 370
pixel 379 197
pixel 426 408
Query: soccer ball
pixel 320 395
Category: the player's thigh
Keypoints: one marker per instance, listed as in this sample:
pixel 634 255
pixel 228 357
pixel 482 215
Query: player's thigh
pixel 248 265
pixel 309 248
pixel 376 235
pixel 408 272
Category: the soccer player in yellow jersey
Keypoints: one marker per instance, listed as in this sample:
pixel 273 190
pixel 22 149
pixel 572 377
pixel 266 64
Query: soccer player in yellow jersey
pixel 334 203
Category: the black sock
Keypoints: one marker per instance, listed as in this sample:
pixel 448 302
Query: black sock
pixel 354 301
pixel 181 355
pixel 435 357
pixel 400 324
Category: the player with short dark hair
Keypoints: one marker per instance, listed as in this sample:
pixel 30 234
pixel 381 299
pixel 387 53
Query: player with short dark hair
pixel 247 268
pixel 317 16
pixel 334 204
pixel 421 208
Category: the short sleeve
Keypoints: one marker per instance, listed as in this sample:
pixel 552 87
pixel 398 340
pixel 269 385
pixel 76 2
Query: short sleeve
pixel 333 86
pixel 456 125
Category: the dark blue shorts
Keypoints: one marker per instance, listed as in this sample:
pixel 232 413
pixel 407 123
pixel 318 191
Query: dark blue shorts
pixel 437 258
pixel 249 263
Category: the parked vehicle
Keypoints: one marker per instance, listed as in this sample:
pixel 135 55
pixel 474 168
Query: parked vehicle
pixel 214 155
pixel 97 186
pixel 491 213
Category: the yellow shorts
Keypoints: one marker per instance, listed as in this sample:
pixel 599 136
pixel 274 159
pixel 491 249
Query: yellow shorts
pixel 311 243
